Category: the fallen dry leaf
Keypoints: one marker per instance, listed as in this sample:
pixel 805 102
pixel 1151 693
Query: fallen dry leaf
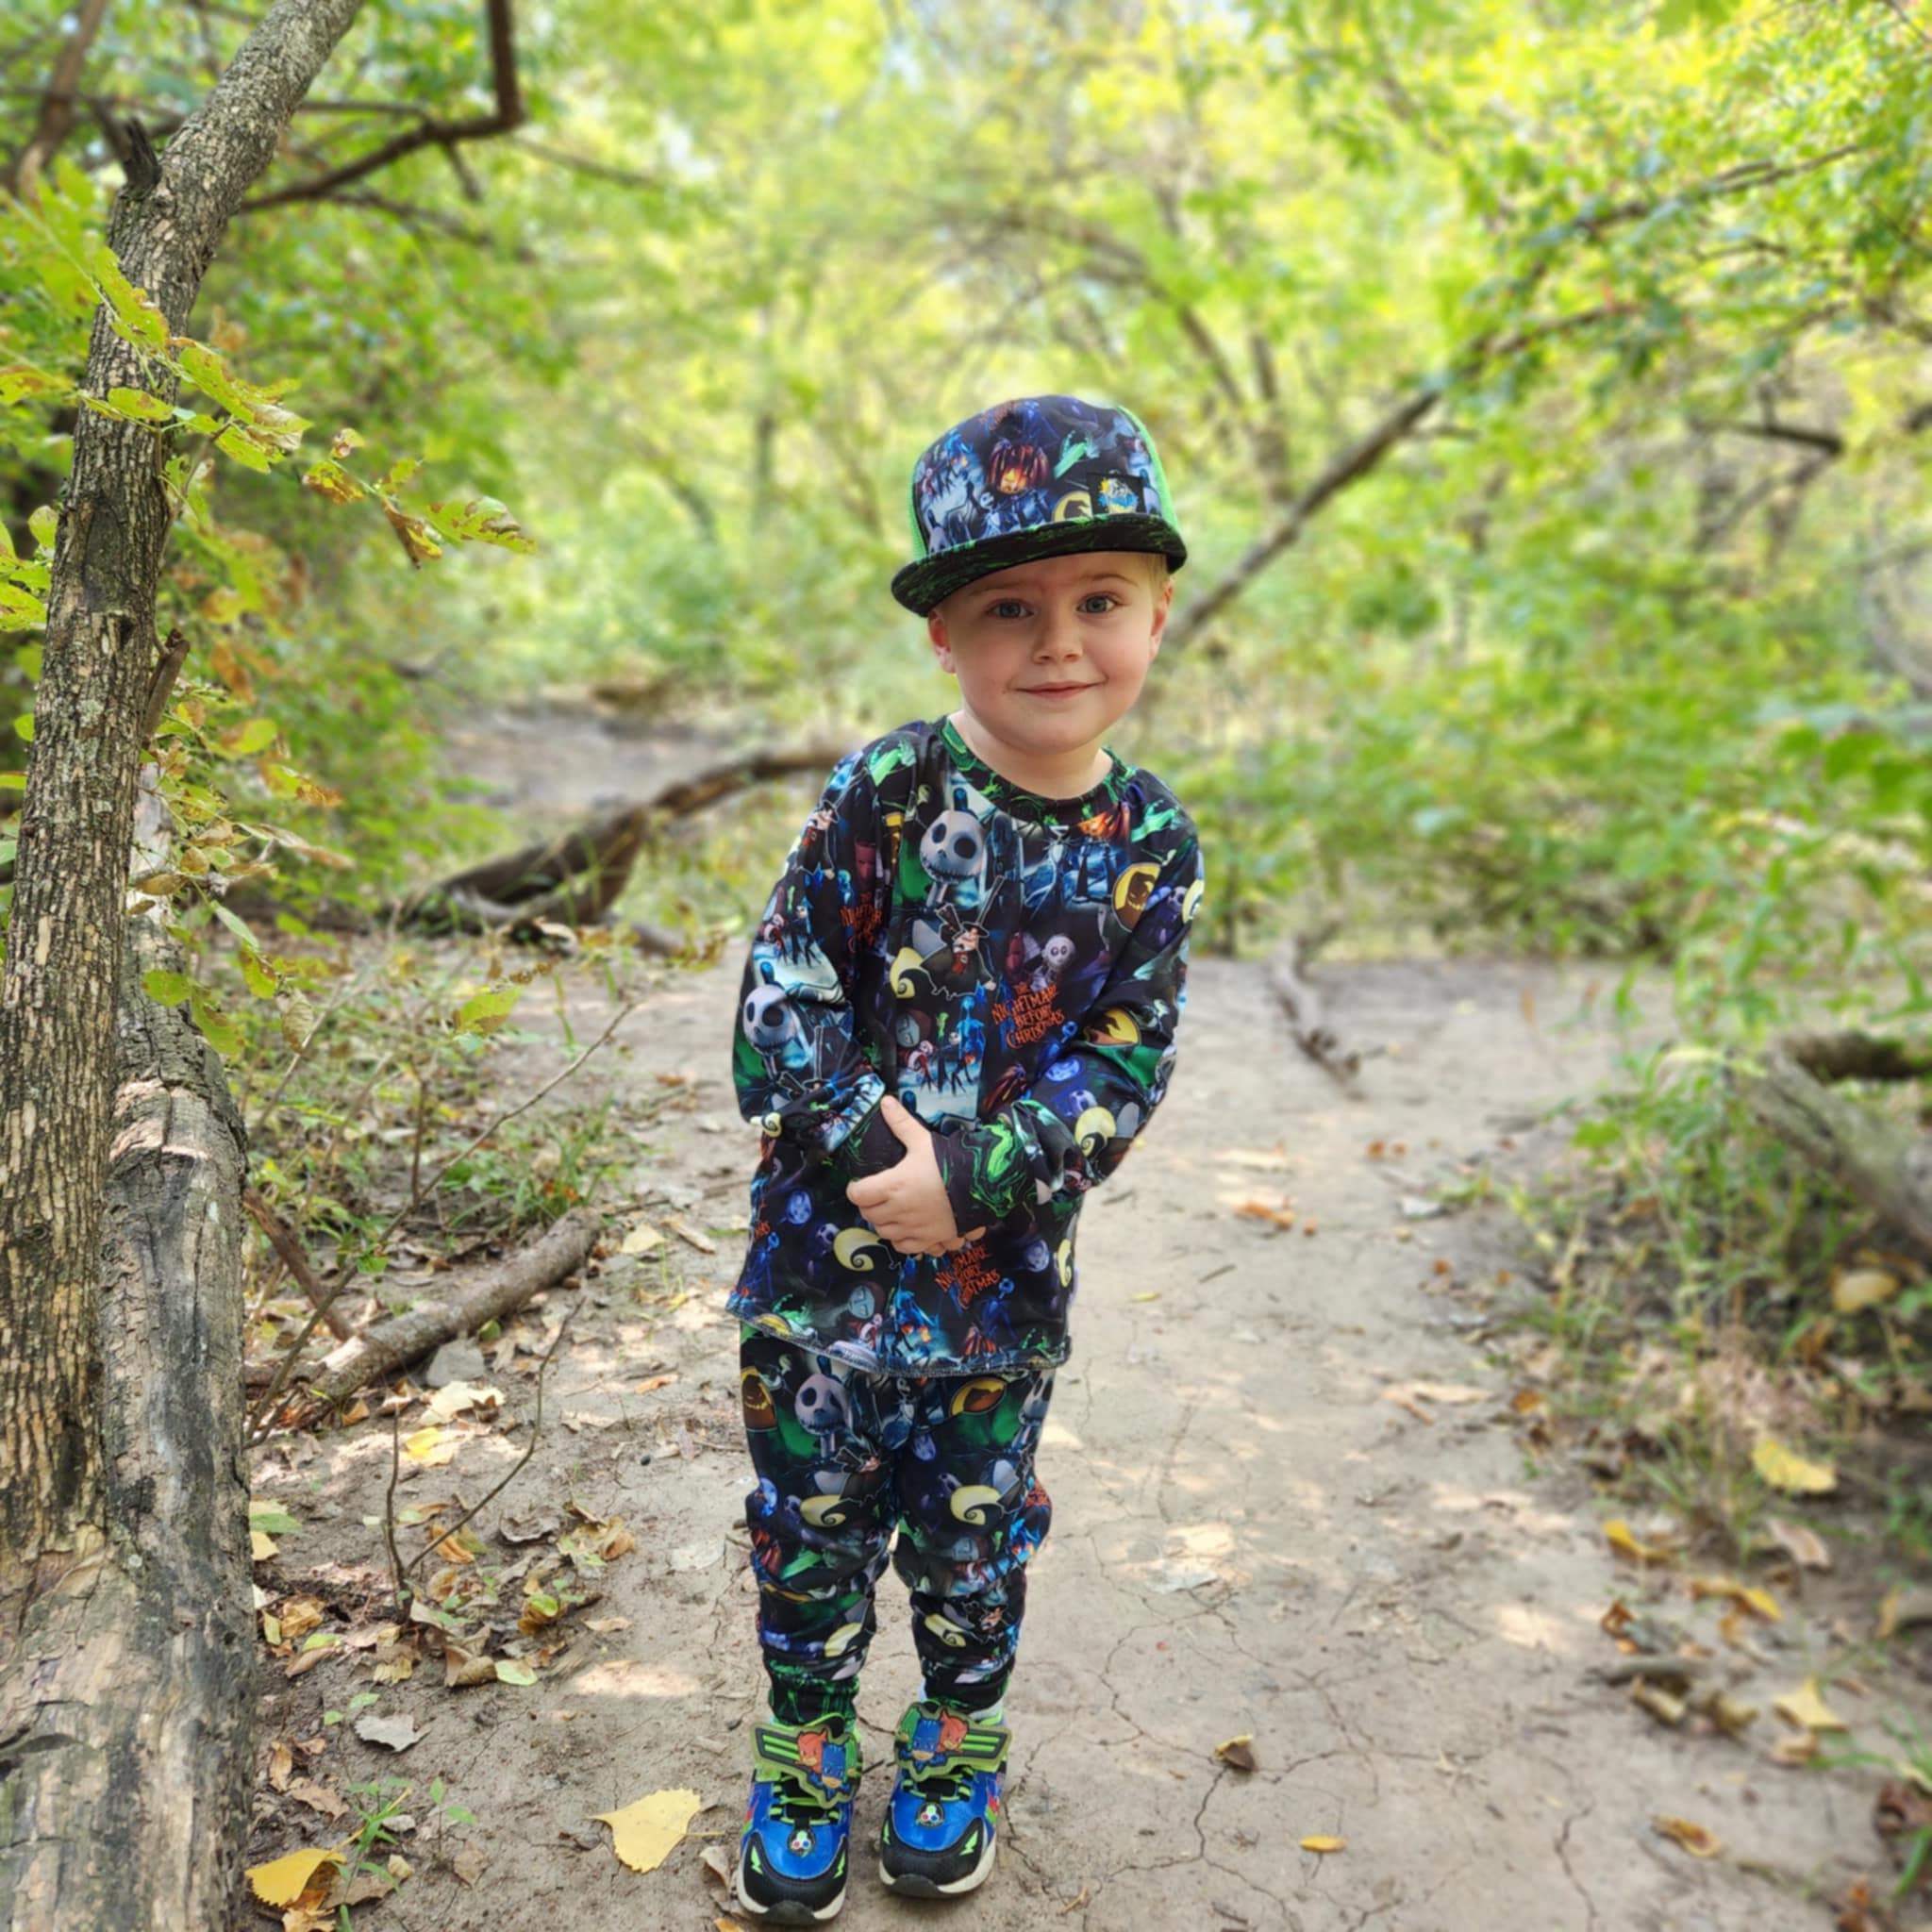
pixel 1760 1603
pixel 1858 1288
pixel 319 1798
pixel 1238 1752
pixel 1325 1844
pixel 1784 1468
pixel 606 1627
pixel 282 1881
pixel 644 1832
pixel 1398 1394
pixel 653 1382
pixel 430 1447
pixel 1805 1708
pixel 1803 1546
pixel 716 1863
pixel 1262 1210
pixel 1617 1534
pixel 462 1668
pixel 1792 1752
pixel 398 1733
pixel 1695 1839
pixel 641 1238
pixel 454 1397
pixel 298 1616
pixel 281 1764
pixel 701 1242
pixel 1661 1703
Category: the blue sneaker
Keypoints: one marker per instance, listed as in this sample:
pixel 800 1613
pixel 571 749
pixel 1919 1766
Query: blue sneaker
pixel 938 1837
pixel 792 1859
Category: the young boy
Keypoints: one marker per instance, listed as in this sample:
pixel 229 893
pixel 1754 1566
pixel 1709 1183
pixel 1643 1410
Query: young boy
pixel 957 1014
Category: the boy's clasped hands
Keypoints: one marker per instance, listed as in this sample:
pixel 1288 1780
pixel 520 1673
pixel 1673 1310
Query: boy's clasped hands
pixel 907 1204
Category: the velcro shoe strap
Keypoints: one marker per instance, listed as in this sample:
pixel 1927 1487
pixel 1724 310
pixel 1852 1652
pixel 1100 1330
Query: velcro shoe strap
pixel 810 1757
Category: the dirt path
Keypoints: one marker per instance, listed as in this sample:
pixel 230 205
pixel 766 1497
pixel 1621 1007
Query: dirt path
pixel 1247 1539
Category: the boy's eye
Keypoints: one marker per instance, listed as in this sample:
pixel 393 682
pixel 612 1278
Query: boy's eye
pixel 1004 607
pixel 1104 596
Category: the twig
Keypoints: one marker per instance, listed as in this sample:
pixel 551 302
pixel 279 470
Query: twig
pixel 398 1575
pixel 285 1243
pixel 258 1422
pixel 408 1206
pixel 530 1449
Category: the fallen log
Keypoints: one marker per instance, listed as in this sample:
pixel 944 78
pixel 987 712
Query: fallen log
pixel 1853 1056
pixel 559 1251
pixel 1302 1004
pixel 1888 1167
pixel 575 879
pixel 126 1696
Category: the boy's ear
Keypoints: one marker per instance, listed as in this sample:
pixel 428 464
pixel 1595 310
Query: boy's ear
pixel 1161 605
pixel 936 630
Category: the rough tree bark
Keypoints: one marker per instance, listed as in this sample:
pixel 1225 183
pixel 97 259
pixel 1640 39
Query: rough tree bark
pixel 124 1716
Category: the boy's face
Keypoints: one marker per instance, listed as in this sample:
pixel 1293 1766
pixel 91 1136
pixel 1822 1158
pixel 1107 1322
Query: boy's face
pixel 1050 656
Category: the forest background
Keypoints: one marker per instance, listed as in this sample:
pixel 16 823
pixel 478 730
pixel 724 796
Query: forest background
pixel 1547 392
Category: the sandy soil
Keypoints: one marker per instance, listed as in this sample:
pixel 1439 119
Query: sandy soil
pixel 1247 1538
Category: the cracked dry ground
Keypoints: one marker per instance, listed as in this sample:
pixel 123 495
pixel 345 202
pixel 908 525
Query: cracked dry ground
pixel 1246 1538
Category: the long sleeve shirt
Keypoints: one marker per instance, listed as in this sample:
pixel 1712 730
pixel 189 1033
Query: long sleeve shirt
pixel 1012 970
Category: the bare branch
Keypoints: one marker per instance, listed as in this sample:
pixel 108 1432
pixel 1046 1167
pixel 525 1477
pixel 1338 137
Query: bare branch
pixel 508 116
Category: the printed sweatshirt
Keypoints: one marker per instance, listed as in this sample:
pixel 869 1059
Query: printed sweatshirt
pixel 1012 969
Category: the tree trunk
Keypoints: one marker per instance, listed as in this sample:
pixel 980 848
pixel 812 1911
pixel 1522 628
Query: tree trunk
pixel 127 1702
pixel 59 989
pixel 125 1705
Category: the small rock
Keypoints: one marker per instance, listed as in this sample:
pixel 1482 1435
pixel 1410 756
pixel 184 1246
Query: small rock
pixel 455 1362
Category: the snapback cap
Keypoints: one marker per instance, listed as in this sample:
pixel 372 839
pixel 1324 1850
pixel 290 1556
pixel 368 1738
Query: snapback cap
pixel 1039 477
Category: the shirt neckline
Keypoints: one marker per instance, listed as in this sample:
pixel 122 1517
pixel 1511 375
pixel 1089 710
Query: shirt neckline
pixel 1003 791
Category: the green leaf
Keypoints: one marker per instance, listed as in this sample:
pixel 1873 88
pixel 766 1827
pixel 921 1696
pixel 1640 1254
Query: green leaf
pixel 24 726
pixel 246 451
pixel 43 524
pixel 167 989
pixel 487 1011
pixel 236 924
pixel 255 969
pixel 219 1031
pixel 510 1670
pixel 138 405
pixel 257 735
pixel 270 1517
pixel 137 316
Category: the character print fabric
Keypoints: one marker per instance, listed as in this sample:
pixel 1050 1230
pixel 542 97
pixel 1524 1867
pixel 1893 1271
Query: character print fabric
pixel 1036 477
pixel 842 1457
pixel 1013 970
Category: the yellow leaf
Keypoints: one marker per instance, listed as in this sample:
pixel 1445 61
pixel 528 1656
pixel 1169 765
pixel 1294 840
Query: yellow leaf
pixel 1784 1470
pixel 643 1833
pixel 427 1447
pixel 1695 1839
pixel 261 1546
pixel 1888 1615
pixel 1862 1288
pixel 1760 1603
pixel 1617 1534
pixel 282 1881
pixel 1805 1708
pixel 1324 1844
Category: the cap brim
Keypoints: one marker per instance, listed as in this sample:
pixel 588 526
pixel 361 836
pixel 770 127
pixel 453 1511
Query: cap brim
pixel 933 580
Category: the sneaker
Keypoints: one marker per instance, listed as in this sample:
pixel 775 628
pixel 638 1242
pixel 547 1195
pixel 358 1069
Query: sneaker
pixel 938 1837
pixel 792 1859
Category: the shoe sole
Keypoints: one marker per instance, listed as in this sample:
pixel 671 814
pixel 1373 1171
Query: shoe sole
pixel 788 1912
pixel 915 1884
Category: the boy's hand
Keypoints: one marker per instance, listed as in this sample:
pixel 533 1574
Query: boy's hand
pixel 907 1204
